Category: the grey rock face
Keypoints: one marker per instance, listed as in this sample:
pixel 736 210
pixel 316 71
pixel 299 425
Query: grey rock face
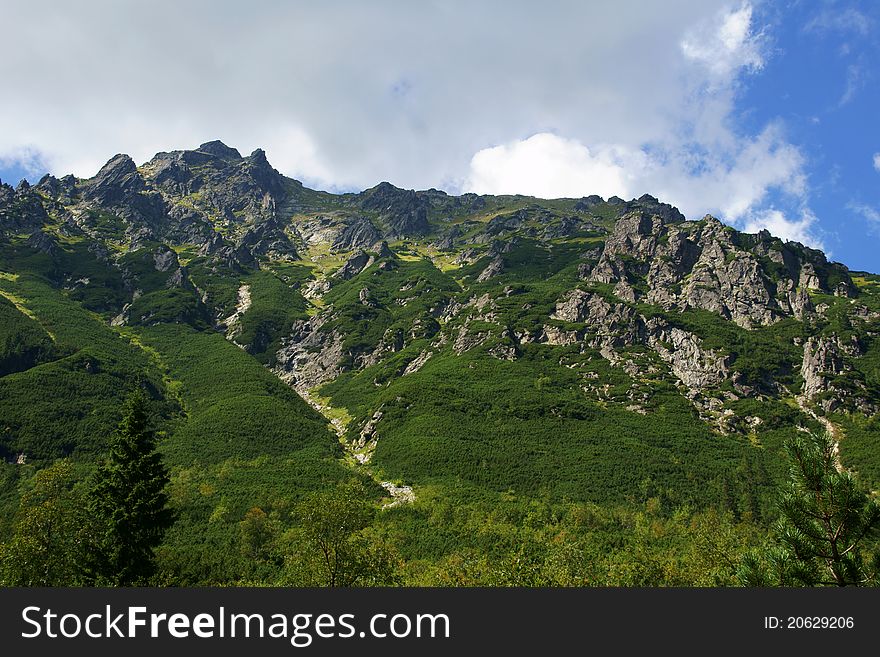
pixel 164 258
pixel 115 183
pixel 448 241
pixel 219 149
pixel 43 242
pixel 609 325
pixel 385 251
pixel 588 202
pixel 366 297
pixel 360 233
pixel 267 238
pixel 495 267
pixel 728 281
pixel 355 264
pixel 824 361
pixel 404 212
pixel 309 356
pixel 697 368
pixel 613 326
pixel 748 279
pixel 21 210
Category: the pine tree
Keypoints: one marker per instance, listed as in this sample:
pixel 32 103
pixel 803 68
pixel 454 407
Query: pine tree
pixel 129 502
pixel 826 521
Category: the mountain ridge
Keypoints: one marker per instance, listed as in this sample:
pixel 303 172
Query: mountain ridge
pixel 587 349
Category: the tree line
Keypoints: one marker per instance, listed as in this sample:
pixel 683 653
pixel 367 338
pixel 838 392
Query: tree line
pixel 105 530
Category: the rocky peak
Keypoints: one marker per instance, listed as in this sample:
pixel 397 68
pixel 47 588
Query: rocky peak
pixel 219 149
pixel 63 189
pixel 262 173
pixel 115 182
pixel 650 205
pixel 405 212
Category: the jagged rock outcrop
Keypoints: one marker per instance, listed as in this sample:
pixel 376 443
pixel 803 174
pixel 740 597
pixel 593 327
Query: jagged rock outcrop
pixel 696 367
pixel 403 212
pixel 749 280
pixel 21 209
pixel 609 325
pixel 309 356
pixel 355 264
pixel 43 242
pixel 495 267
pixel 359 234
pixel 829 379
pixel 117 182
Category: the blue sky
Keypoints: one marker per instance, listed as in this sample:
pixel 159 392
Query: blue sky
pixel 821 80
pixel 761 113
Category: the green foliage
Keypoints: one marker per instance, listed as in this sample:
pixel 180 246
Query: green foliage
pixel 337 551
pixel 763 356
pixel 408 290
pixel 50 533
pixel 453 539
pixel 489 423
pixel 128 500
pixel 860 447
pixel 827 528
pixel 23 342
pixel 234 406
pixel 69 405
pixel 245 440
pixel 553 468
pixel 274 307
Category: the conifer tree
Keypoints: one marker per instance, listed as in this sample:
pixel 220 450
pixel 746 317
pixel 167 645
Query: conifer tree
pixel 129 502
pixel 826 521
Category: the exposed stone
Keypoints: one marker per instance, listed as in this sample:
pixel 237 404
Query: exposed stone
pixel 495 267
pixel 697 368
pixel 359 234
pixel 309 356
pixel 355 264
pixel 164 258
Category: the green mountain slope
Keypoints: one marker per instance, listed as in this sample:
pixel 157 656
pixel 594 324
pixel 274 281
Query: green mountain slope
pixel 475 351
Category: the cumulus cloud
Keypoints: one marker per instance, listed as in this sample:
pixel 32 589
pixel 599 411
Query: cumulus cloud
pixel 701 164
pixel 801 229
pixel 406 92
pixel 580 98
pixel 549 166
pixel 725 43
pixel 877 161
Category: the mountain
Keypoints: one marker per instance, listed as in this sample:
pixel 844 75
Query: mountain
pixel 475 349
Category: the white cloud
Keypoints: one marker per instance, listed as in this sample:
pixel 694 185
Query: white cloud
pixel 26 158
pixel 699 163
pixel 801 230
pixel 549 166
pixel 730 184
pixel 725 43
pixel 855 80
pixel 840 20
pixel 877 161
pixel 405 92
pixel 611 98
pixel 868 212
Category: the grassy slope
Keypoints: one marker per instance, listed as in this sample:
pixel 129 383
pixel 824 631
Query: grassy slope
pixel 246 440
pixel 526 426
